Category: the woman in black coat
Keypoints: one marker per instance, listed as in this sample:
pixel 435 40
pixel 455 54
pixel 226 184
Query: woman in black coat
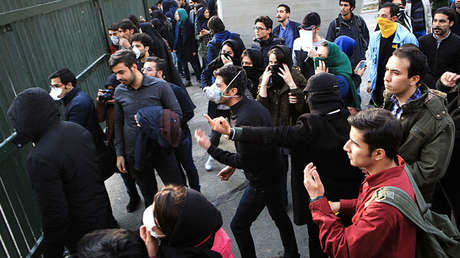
pixel 185 45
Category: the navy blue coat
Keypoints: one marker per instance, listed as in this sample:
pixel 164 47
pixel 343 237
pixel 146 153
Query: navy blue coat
pixel 185 42
pixel 292 26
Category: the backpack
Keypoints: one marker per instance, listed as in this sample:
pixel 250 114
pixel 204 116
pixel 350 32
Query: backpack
pixel 436 235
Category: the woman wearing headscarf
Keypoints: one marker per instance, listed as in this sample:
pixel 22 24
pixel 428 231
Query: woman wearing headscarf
pixel 202 33
pixel 318 137
pixel 253 63
pixel 185 45
pixel 333 60
pixel 161 24
pixel 230 52
pixel 185 224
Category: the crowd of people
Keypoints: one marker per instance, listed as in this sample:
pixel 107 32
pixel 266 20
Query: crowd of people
pixel 290 102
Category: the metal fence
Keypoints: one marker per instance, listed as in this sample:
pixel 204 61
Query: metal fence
pixel 38 37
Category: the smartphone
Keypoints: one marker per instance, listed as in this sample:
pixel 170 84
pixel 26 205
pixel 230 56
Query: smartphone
pixel 362 64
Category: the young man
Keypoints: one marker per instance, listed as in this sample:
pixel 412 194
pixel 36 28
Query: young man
pixel 125 30
pixel 287 29
pixel 428 130
pixel 259 162
pixel 63 172
pixel 381 46
pixel 375 136
pixel 352 25
pixel 141 43
pixel 265 39
pixel 135 92
pixel 442 47
pixel 114 38
pixel 155 67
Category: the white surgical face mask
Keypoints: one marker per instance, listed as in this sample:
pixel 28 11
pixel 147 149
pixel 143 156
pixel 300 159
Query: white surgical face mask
pixel 55 92
pixel 149 221
pixel 115 39
pixel 137 52
pixel 214 94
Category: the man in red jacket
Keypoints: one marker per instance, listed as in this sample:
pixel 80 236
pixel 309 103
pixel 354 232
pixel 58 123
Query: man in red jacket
pixel 375 137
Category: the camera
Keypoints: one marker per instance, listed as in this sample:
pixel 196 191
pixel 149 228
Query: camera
pixel 106 95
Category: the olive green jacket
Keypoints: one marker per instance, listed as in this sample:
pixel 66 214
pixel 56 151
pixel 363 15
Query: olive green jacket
pixel 428 138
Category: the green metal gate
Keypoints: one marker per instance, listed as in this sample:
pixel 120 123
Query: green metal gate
pixel 37 37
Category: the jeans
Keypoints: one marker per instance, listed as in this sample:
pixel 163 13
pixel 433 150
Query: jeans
pixel 184 156
pixel 251 205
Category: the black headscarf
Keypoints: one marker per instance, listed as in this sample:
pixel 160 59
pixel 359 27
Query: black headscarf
pixel 201 20
pixel 237 48
pixel 256 70
pixel 198 220
pixel 323 94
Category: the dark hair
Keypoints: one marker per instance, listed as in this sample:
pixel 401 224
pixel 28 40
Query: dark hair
pixel 351 2
pixel 449 12
pixel 229 73
pixel 265 20
pixel 311 18
pixel 417 60
pixel 65 75
pixel 160 64
pixel 380 130
pixel 111 243
pixel 134 20
pixel 216 25
pixel 126 24
pixel 114 26
pixel 145 39
pixel 394 9
pixel 280 56
pixel 168 207
pixel 125 56
pixel 286 7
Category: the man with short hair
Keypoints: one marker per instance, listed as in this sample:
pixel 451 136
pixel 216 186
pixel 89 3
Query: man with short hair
pixel 135 92
pixel 375 136
pixel 63 172
pixel 259 162
pixel 79 107
pixel 114 38
pixel 217 28
pixel 428 130
pixel 265 39
pixel 125 30
pixel 381 46
pixel 353 26
pixel 442 47
pixel 141 44
pixel 287 29
pixel 155 67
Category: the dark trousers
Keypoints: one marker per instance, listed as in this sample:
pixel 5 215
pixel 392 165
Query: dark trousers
pixel 284 170
pixel 195 62
pixel 251 205
pixel 130 185
pixel 165 162
pixel 184 156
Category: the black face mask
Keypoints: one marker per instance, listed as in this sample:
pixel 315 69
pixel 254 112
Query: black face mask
pixel 276 80
pixel 252 72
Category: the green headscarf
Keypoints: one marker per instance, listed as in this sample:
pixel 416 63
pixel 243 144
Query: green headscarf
pixel 183 16
pixel 338 63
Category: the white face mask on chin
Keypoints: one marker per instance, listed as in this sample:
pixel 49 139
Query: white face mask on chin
pixel 55 92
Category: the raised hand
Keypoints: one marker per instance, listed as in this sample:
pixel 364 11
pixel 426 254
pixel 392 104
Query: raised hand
pixel 218 124
pixel 202 139
pixel 312 182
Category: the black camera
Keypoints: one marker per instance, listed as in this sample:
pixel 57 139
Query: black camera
pixel 106 95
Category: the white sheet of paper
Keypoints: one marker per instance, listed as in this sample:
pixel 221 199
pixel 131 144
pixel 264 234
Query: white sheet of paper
pixel 306 39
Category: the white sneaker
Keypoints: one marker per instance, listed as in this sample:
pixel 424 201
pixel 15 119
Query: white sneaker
pixel 209 165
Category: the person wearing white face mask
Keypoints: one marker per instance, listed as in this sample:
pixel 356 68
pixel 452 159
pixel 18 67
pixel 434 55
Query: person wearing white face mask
pixel 260 162
pixel 141 43
pixel 79 107
pixel 114 38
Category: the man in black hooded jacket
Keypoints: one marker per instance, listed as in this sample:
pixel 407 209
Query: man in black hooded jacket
pixel 317 137
pixel 62 167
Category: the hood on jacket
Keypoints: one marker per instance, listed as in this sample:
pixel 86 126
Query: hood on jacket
pixel 323 94
pixel 158 14
pixel 237 48
pixel 32 112
pixel 169 8
pixel 287 54
pixel 346 44
pixel 201 20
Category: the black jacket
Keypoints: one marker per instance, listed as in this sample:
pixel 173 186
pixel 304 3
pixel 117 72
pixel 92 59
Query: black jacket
pixel 265 45
pixel 79 108
pixel 62 166
pixel 260 162
pixel 442 59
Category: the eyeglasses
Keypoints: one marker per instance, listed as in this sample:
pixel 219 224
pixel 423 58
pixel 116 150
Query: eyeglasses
pixel 259 28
